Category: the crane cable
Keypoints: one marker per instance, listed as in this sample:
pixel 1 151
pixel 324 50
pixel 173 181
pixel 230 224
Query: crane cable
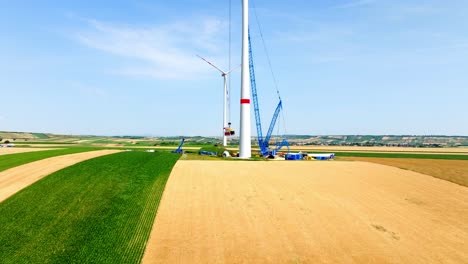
pixel 269 64
pixel 229 65
pixel 265 48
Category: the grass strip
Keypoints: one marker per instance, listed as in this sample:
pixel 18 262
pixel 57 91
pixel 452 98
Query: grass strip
pixel 42 143
pixel 12 160
pixel 97 211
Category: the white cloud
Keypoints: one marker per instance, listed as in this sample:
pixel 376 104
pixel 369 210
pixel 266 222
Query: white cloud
pixel 164 51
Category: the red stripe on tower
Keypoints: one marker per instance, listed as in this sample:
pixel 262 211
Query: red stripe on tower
pixel 245 101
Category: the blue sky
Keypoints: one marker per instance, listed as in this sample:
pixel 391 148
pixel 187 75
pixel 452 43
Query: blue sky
pixel 129 67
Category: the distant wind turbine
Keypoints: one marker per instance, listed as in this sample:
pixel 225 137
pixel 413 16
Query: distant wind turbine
pixel 224 74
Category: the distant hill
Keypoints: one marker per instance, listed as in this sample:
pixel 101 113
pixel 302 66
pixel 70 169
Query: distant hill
pixel 381 140
pixel 21 135
pixel 328 140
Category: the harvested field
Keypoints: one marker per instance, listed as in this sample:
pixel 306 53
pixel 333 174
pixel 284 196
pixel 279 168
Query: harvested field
pixel 307 212
pixel 17 178
pixel 451 170
pixel 45 145
pixel 4 151
pixel 147 147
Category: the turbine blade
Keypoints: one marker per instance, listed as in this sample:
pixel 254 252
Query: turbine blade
pixel 211 64
pixel 233 69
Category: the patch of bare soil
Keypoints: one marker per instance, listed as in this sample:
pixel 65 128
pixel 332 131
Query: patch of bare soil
pixel 307 212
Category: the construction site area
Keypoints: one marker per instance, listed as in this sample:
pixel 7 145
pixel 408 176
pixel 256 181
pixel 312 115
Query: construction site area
pixel 242 195
pixel 231 211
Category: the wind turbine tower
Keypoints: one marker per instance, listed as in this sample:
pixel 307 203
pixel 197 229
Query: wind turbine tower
pixel 245 148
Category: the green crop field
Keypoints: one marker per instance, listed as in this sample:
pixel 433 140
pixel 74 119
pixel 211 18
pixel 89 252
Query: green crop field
pixel 101 210
pixel 13 160
pixel 40 135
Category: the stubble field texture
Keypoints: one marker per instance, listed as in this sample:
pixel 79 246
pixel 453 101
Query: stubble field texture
pixel 307 212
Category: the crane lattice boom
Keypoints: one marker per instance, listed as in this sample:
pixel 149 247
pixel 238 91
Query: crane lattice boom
pixel 263 143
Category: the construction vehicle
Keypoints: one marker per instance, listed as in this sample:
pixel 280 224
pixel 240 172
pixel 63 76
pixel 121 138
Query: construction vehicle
pixel 179 150
pixel 263 143
pixel 306 156
pixel 207 153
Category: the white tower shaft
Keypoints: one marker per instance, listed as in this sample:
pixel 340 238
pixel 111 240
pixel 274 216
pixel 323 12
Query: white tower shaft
pixel 224 112
pixel 245 148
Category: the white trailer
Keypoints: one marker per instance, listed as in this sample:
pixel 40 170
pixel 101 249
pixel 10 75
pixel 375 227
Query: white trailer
pixel 322 156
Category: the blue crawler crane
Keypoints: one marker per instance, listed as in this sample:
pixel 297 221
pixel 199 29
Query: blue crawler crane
pixel 263 143
pixel 179 150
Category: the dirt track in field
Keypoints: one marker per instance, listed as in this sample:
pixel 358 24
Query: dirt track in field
pixel 17 178
pixel 307 212
pixel 4 151
pixel 52 146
